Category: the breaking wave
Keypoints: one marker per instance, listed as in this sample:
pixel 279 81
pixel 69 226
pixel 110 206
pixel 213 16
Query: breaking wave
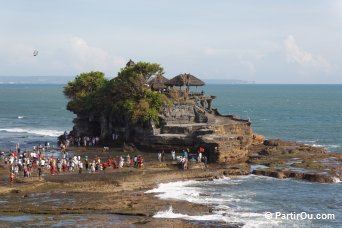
pixel 226 208
pixel 43 132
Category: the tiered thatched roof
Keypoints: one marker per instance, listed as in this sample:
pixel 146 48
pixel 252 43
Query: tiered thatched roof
pixel 185 80
pixel 158 82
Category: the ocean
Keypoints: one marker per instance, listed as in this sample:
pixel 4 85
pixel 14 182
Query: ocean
pixel 312 114
pixel 32 114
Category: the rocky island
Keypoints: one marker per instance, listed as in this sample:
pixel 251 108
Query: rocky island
pixel 155 114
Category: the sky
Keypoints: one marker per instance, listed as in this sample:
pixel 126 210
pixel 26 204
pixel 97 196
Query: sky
pixel 265 41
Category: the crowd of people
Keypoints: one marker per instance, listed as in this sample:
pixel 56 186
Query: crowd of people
pixel 67 140
pixel 24 163
pixel 183 159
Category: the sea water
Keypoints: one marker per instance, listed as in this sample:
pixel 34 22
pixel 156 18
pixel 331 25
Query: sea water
pixel 249 200
pixel 32 114
pixel 311 114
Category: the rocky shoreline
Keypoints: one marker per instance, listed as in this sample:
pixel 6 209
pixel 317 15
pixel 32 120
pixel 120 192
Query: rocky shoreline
pixel 121 192
pixel 284 159
pixel 115 192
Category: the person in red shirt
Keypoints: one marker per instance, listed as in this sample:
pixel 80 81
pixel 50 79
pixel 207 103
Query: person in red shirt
pixel 53 166
pixel 114 163
pixel 140 162
pixel 12 177
pixel 104 166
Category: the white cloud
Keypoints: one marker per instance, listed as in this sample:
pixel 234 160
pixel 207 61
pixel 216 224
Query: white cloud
pixel 86 57
pixel 303 58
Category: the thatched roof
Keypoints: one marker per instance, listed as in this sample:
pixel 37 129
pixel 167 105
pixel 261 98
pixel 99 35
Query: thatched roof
pixel 158 82
pixel 185 80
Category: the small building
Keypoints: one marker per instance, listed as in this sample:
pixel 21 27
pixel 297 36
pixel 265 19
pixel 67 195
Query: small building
pixel 185 80
pixel 158 83
pixel 130 63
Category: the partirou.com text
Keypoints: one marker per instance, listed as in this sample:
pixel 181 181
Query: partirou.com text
pixel 299 216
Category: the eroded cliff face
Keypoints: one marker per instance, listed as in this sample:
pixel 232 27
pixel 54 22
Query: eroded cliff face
pixel 228 143
pixel 226 139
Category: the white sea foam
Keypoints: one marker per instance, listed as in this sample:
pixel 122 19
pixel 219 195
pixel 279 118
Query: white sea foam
pixel 308 141
pixel 21 117
pixel 327 146
pixel 44 132
pixel 315 143
pixel 249 219
pixel 226 205
pixel 255 167
pixel 337 180
pixel 176 190
pixel 170 214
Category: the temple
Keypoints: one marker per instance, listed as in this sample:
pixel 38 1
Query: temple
pixel 192 121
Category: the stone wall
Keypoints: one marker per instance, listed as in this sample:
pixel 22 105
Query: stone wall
pixel 179 114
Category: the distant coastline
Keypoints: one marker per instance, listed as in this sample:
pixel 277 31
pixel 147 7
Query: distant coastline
pixel 64 79
pixel 227 81
pixel 35 79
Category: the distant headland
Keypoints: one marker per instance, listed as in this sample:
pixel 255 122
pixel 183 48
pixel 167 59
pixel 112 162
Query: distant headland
pixel 62 80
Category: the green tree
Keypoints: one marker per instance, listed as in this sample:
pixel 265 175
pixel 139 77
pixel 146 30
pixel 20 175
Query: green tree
pixel 125 98
pixel 132 98
pixel 145 69
pixel 84 91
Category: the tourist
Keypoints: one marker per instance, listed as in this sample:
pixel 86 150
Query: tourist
pixel 59 166
pixel 185 163
pixel 16 170
pixel 104 166
pixel 173 154
pixel 199 158
pixel 186 153
pixel 42 162
pixel 87 165
pixel 163 155
pixel 205 159
pixel 159 157
pixel 115 164
pixel 135 160
pixel 92 167
pixel 25 171
pixel 140 162
pixel 64 165
pixel 12 178
pixel 128 160
pixel 53 166
pixel 80 167
pixel 121 164
pixel 39 172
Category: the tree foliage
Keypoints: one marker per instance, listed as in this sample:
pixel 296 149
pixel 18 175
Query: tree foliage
pixel 125 97
pixel 83 92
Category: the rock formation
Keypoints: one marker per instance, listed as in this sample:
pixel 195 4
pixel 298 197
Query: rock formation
pixel 225 138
